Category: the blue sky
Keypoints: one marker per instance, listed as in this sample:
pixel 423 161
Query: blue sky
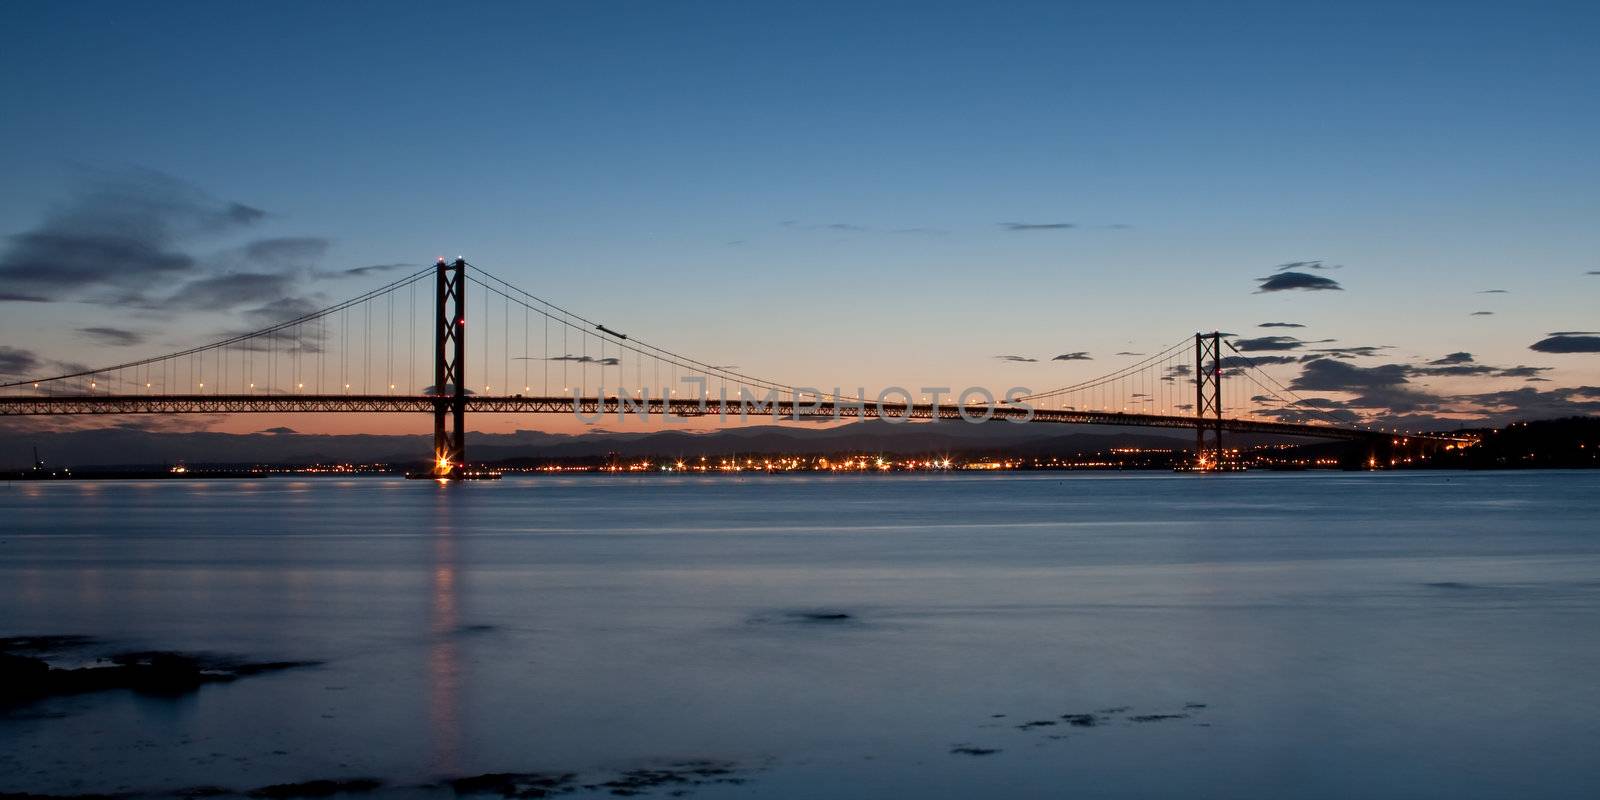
pixel 699 170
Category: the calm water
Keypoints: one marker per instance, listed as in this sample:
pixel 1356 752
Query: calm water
pixel 1384 635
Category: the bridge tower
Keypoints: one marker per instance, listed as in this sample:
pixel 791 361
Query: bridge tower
pixel 449 369
pixel 1208 398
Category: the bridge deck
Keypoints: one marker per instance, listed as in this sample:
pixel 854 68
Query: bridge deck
pixel 595 409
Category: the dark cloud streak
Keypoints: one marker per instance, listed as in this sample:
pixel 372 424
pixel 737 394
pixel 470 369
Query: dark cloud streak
pixel 1296 281
pixel 1568 342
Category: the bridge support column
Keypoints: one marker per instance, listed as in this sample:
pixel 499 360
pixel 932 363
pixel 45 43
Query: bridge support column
pixel 1207 398
pixel 449 369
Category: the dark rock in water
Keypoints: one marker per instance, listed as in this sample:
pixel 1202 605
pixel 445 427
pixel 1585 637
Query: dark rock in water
pixel 195 792
pixel 21 668
pixel 973 751
pixel 1194 706
pixel 317 788
pixel 26 678
pixel 822 616
pixel 1081 720
pixel 817 616
pixel 680 776
pixel 1156 717
pixel 685 773
pixel 514 784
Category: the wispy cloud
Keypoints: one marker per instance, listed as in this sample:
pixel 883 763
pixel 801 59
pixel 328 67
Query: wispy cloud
pixel 15 361
pixel 604 362
pixel 112 337
pixel 1492 291
pixel 1280 325
pixel 1260 343
pixel 851 227
pixel 1528 402
pixel 1351 352
pixel 231 290
pixel 1385 386
pixel 1038 226
pixel 1326 374
pixel 119 233
pixel 370 269
pixel 149 242
pixel 1018 359
pixel 1079 355
pixel 1234 362
pixel 1298 265
pixel 1481 314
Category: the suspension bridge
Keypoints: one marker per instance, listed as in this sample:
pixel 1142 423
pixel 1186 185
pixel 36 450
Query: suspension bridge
pixel 351 357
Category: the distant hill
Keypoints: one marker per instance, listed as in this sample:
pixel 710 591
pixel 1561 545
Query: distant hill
pixel 129 447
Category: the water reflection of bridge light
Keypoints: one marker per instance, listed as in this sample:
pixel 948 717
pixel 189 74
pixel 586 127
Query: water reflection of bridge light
pixel 444 658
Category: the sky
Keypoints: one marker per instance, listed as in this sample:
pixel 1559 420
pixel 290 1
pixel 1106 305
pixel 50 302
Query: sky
pixel 833 194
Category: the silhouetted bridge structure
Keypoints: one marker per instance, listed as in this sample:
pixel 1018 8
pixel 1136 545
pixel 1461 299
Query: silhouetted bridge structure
pixel 315 364
pixel 615 407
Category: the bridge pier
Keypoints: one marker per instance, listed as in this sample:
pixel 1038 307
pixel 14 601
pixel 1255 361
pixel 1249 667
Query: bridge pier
pixel 449 369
